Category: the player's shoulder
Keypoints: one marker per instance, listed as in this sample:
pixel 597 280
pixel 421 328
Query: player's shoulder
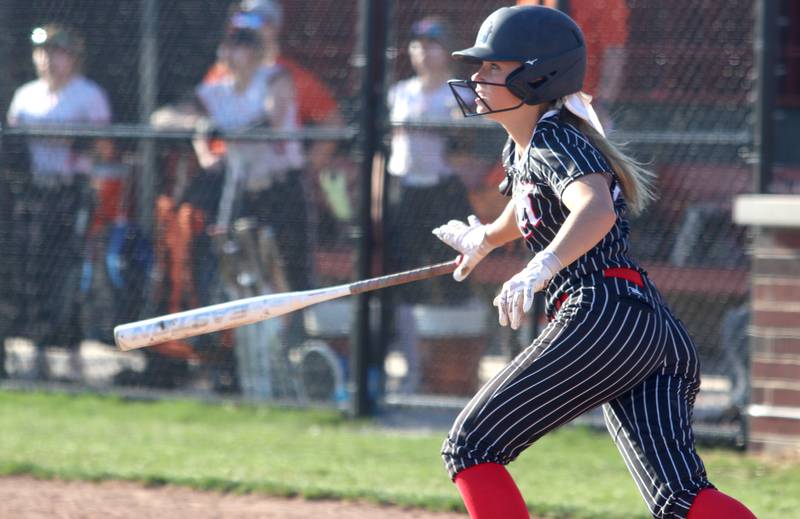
pixel 299 74
pixel 558 140
pixel 292 66
pixel 87 85
pixel 268 74
pixel 84 90
pixel 408 86
pixel 217 88
pixel 31 88
pixel 554 130
pixel 404 92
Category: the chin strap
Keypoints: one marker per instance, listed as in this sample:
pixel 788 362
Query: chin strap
pixel 580 104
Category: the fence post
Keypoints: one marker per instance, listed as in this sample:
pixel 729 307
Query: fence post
pixel 148 92
pixel 766 89
pixel 372 45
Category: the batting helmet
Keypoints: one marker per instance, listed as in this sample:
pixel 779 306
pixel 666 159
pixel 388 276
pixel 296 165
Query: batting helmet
pixel 549 45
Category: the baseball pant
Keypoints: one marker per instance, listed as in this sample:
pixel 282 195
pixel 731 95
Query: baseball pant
pixel 613 343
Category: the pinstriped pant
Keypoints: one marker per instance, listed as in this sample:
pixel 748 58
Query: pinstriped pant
pixel 613 344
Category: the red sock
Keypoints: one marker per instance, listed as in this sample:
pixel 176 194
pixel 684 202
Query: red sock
pixel 489 493
pixel 713 504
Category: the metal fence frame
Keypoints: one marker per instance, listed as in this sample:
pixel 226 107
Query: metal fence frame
pixel 368 135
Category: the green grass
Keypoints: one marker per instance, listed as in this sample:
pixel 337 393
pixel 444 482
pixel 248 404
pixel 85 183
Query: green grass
pixel 572 473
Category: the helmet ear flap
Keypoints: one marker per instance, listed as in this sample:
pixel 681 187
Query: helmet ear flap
pixel 524 81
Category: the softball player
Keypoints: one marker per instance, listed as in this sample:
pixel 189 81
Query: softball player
pixel 611 339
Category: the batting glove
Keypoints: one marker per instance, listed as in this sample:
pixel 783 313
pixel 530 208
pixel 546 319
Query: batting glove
pixel 467 238
pixel 516 296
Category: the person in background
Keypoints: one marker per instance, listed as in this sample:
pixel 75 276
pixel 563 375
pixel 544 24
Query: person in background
pixel 423 187
pixel 56 204
pixel 263 179
pixel 316 104
pixel 248 87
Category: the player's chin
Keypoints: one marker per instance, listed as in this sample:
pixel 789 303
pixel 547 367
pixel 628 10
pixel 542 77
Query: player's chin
pixel 489 114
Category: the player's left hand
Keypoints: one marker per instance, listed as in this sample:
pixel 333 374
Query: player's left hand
pixel 516 296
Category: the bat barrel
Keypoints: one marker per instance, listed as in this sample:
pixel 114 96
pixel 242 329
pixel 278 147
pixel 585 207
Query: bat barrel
pixel 218 317
pixel 189 323
pixel 223 316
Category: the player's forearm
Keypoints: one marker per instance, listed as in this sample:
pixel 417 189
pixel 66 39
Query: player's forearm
pixel 503 229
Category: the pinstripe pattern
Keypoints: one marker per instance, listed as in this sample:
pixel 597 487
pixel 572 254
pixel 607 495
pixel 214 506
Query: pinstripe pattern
pixel 612 344
pixel 608 346
pixel 557 155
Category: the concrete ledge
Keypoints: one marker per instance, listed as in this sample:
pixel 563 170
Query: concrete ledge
pixel 767 210
pixel 769 411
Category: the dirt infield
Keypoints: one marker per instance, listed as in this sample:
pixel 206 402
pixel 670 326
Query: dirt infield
pixel 28 498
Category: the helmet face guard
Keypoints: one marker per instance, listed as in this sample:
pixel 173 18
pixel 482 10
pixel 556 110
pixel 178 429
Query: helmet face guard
pixel 468 98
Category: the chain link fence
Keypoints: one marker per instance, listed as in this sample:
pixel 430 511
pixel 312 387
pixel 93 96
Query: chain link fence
pixel 227 165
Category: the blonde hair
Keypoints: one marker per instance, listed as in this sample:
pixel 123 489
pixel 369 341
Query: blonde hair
pixel 637 182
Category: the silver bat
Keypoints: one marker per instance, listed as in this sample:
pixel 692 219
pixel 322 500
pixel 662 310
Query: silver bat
pixel 207 319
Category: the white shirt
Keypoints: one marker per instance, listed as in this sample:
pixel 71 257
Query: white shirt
pixel 255 163
pixel 419 156
pixel 80 101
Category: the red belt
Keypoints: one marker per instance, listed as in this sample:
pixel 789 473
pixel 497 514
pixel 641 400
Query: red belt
pixel 628 274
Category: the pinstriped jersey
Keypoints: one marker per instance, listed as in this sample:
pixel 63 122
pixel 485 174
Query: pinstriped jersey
pixel 557 155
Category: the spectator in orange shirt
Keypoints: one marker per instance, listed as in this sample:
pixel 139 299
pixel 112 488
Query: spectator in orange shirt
pixel 315 102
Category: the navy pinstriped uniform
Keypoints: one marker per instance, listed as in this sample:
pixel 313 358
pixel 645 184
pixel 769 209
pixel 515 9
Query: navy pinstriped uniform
pixel 611 341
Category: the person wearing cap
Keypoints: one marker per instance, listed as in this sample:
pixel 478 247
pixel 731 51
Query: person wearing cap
pixel 257 179
pixel 316 104
pixel 263 180
pixel 423 187
pixel 612 341
pixel 58 200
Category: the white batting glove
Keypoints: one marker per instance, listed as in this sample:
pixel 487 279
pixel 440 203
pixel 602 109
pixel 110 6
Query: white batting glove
pixel 516 296
pixel 467 238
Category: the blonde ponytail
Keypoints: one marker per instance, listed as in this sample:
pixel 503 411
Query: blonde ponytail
pixel 637 182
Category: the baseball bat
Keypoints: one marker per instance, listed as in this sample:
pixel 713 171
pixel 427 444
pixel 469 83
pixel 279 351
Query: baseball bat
pixel 207 319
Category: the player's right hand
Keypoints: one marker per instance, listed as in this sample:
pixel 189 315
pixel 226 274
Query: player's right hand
pixel 516 296
pixel 467 238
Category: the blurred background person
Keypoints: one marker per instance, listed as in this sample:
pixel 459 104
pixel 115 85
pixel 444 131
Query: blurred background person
pixel 316 104
pixel 54 207
pixel 422 186
pixel 263 179
pixel 250 85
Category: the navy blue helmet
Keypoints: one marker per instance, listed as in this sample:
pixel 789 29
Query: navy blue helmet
pixel 549 45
